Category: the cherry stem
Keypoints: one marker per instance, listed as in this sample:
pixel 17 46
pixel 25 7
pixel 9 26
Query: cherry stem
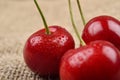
pixel 73 24
pixel 43 18
pixel 81 13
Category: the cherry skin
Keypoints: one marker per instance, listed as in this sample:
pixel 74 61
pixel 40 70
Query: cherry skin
pixel 102 28
pixel 42 52
pixel 99 60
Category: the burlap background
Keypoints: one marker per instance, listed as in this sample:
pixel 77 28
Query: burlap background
pixel 20 18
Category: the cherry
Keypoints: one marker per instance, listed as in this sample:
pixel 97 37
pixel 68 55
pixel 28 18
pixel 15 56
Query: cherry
pixel 44 48
pixel 102 28
pixel 43 52
pixel 98 60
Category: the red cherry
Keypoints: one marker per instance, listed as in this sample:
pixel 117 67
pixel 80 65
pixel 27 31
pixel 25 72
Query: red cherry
pixel 102 28
pixel 99 60
pixel 44 49
pixel 42 52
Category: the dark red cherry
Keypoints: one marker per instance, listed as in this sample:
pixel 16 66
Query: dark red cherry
pixel 43 49
pixel 102 28
pixel 99 60
pixel 42 52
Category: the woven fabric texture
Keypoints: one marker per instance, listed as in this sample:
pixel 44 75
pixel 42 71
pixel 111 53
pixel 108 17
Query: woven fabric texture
pixel 20 18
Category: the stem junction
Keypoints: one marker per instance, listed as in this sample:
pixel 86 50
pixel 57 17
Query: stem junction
pixel 73 24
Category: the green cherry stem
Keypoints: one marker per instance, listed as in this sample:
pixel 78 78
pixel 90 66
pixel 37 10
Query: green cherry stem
pixel 73 24
pixel 42 16
pixel 81 13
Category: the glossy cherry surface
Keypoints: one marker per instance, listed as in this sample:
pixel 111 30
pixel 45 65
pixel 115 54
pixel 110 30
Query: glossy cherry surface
pixel 42 52
pixel 99 60
pixel 102 28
